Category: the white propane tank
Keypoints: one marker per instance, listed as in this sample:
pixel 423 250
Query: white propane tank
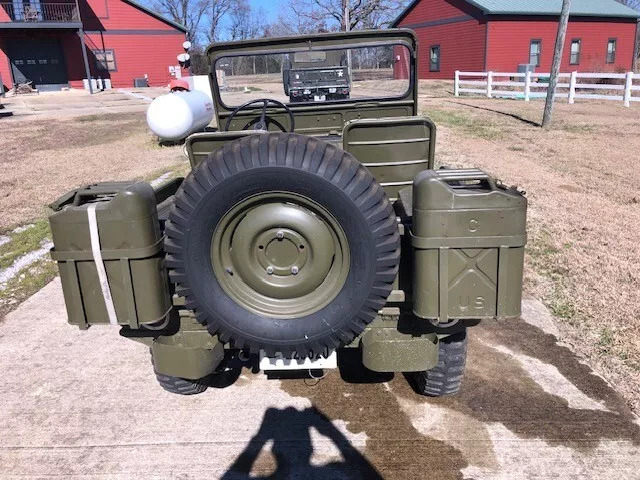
pixel 176 115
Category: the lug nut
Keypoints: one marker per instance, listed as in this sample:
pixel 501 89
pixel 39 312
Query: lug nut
pixel 294 270
pixel 280 235
pixel 269 270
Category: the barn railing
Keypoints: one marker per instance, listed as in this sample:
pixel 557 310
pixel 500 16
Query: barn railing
pixel 39 13
pixel 599 86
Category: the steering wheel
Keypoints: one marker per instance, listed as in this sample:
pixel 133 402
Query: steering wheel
pixel 262 123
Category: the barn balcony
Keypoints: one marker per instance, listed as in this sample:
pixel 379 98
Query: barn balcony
pixel 21 14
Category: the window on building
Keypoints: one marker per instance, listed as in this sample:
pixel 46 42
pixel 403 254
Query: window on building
pixel 534 52
pixel 576 44
pixel 105 60
pixel 611 50
pixel 434 58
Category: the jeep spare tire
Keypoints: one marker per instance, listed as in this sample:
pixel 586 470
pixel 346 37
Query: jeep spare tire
pixel 283 243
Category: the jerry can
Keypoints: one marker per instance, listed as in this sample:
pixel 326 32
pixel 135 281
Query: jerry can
pixel 468 236
pixel 109 249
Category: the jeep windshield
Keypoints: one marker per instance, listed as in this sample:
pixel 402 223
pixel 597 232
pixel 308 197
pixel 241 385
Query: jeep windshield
pixel 323 80
pixel 315 76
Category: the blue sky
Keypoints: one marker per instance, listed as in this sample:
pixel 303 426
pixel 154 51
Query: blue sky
pixel 271 7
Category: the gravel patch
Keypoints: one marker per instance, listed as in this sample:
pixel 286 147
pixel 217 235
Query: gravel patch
pixel 160 180
pixel 23 262
pixel 22 228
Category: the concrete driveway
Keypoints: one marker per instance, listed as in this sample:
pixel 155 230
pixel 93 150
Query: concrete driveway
pixel 79 102
pixel 86 404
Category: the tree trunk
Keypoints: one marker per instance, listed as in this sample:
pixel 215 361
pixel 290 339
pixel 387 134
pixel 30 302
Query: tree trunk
pixel 557 59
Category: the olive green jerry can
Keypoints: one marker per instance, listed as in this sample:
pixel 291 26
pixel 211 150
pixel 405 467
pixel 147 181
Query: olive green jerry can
pixel 468 236
pixel 109 250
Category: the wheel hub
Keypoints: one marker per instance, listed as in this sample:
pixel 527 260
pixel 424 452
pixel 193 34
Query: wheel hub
pixel 280 254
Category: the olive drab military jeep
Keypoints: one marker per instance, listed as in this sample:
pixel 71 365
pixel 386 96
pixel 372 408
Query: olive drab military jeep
pixel 316 75
pixel 306 235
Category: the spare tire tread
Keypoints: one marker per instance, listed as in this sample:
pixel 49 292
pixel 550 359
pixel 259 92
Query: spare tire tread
pixel 313 156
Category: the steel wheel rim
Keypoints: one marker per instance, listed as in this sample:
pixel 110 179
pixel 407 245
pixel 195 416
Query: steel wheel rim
pixel 280 255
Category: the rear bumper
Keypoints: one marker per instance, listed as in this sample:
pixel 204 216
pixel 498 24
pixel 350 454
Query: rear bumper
pixel 333 91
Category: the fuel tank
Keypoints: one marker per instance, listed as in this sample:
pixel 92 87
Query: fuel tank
pixel 176 115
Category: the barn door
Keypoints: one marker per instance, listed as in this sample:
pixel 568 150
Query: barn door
pixel 40 62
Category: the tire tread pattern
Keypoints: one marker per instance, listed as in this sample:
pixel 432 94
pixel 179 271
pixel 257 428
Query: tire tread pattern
pixel 303 153
pixel 181 386
pixel 445 378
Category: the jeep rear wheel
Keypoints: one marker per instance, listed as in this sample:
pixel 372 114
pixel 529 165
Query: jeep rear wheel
pixel 181 386
pixel 283 243
pixel 446 377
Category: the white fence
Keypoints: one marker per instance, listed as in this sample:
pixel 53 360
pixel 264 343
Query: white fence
pixel 534 85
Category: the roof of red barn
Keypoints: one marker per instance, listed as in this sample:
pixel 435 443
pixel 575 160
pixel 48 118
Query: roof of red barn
pixel 583 8
pixel 154 14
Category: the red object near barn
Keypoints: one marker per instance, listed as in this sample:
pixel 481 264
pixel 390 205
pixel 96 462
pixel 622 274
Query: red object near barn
pixel 53 43
pixel 500 35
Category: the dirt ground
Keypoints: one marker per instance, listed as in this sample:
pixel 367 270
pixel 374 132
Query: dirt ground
pixel 581 180
pixel 43 158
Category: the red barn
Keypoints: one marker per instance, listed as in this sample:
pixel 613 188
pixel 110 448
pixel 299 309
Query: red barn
pixel 54 42
pixel 499 35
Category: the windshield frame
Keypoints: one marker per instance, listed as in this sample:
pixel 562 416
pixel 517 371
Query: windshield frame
pixel 323 42
pixel 381 97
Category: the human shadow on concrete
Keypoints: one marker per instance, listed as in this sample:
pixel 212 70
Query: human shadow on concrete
pixel 290 431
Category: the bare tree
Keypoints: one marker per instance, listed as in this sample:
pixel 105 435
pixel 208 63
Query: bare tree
pixel 184 12
pixel 217 11
pixel 199 61
pixel 244 22
pixel 563 24
pixel 630 3
pixel 291 23
pixel 359 13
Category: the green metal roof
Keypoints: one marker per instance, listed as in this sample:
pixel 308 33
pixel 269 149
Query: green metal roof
pixel 589 8
pixel 585 8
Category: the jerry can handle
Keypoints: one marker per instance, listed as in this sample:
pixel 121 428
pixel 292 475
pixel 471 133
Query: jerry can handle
pixel 468 176
pixel 74 197
pixel 87 195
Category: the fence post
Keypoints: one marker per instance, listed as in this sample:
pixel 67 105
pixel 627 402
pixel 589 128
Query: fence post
pixel 456 86
pixel 489 82
pixel 572 87
pixel 627 89
pixel 527 86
